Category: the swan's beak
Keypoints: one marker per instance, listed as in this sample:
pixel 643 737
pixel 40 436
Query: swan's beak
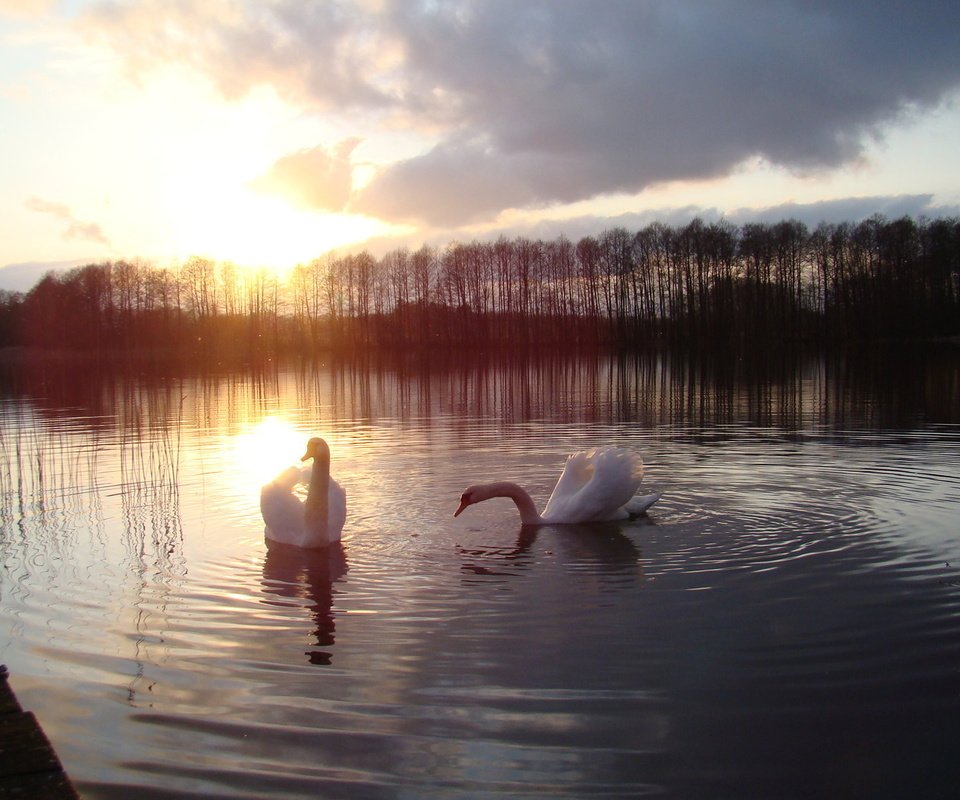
pixel 463 505
pixel 306 455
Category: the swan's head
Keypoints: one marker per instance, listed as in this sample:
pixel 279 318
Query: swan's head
pixel 485 491
pixel 317 449
pixel 466 499
pixel 476 494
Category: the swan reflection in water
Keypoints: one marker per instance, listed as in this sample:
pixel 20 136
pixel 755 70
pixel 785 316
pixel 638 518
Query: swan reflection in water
pixel 298 578
pixel 598 548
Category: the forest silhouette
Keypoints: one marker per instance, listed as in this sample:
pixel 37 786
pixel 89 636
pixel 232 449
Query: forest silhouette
pixel 714 285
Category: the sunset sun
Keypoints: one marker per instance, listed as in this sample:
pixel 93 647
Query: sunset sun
pixel 241 226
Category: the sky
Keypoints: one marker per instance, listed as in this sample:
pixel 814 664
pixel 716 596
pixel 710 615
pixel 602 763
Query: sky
pixel 269 133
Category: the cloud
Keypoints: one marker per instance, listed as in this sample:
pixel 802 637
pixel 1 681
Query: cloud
pixel 456 183
pixel 849 209
pixel 555 101
pixel 841 210
pixel 75 228
pixel 312 179
pixel 26 8
pixel 319 54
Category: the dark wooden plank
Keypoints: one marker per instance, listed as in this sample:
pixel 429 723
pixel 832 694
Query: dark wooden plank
pixel 8 701
pixel 38 786
pixel 29 767
pixel 24 747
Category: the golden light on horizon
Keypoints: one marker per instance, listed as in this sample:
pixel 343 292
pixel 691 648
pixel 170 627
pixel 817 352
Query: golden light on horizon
pixel 252 230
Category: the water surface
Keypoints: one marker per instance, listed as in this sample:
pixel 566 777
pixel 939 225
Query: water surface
pixel 784 623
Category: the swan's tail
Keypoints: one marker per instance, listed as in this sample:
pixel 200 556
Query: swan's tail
pixel 639 504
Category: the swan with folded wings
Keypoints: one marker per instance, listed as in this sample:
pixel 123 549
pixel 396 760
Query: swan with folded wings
pixel 598 485
pixel 316 521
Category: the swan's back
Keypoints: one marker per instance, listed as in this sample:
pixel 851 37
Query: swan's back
pixel 337 510
pixel 595 486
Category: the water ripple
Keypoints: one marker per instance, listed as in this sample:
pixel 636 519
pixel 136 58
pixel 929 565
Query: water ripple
pixel 788 581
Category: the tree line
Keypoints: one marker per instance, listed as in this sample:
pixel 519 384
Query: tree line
pixel 702 283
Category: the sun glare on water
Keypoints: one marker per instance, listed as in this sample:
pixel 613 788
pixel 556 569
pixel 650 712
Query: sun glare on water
pixel 265 450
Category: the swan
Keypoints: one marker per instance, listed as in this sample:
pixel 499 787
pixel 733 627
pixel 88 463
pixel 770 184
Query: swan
pixel 316 522
pixel 596 485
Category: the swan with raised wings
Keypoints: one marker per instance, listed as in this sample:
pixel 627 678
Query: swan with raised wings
pixel 597 485
pixel 314 522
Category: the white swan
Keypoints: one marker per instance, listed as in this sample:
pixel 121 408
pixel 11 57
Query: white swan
pixel 596 486
pixel 316 522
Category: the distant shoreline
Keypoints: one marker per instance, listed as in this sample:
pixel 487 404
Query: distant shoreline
pixel 704 286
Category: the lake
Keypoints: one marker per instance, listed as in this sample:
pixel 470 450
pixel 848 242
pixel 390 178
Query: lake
pixel 785 622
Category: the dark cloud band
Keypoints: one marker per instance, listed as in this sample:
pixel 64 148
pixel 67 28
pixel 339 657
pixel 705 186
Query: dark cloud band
pixel 555 101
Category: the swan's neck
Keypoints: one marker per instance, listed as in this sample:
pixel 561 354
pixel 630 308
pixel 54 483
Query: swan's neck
pixel 528 511
pixel 316 508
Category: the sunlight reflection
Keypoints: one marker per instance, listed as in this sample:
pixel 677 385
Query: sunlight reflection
pixel 270 446
pixel 260 453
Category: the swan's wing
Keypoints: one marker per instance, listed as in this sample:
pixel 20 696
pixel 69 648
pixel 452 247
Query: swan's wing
pixel 337 514
pixel 281 509
pixel 594 486
pixel 291 477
